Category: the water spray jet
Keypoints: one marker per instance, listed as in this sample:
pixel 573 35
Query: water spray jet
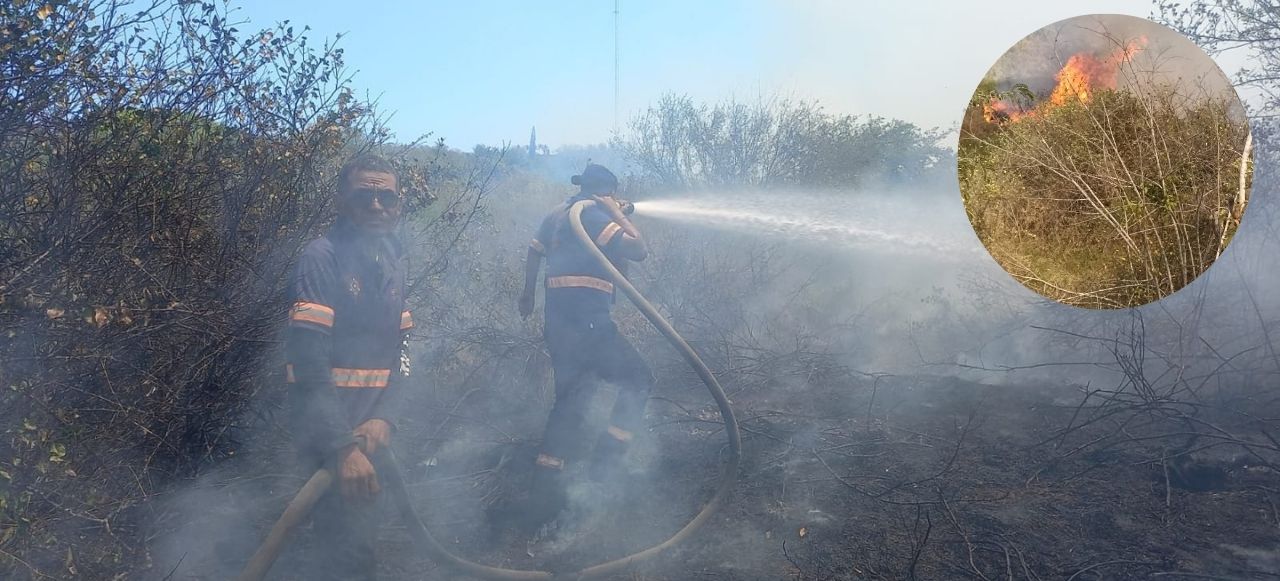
pixel 887 225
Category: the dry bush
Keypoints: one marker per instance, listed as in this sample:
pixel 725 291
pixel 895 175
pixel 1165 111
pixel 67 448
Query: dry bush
pixel 1114 202
pixel 1204 427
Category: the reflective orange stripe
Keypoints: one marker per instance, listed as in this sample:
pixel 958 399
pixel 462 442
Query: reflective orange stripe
pixel 315 313
pixel 599 284
pixel 343 377
pixel 360 377
pixel 537 246
pixel 549 461
pixel 608 233
pixel 620 434
pixel 406 321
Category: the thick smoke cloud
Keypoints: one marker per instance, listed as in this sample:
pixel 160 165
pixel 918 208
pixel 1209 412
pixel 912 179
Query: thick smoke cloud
pixel 1167 56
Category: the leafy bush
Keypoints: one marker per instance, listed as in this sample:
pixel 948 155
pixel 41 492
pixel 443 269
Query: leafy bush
pixel 158 171
pixel 770 144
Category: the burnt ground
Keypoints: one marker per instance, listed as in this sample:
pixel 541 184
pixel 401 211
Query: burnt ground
pixel 936 478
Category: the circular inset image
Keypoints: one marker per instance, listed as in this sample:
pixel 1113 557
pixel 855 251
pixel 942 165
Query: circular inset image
pixel 1105 161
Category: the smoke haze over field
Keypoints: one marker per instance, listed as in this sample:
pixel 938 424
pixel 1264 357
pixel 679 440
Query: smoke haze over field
pixel 885 281
pixel 928 297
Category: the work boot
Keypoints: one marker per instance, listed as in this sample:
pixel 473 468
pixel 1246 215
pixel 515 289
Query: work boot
pixel 547 497
pixel 607 461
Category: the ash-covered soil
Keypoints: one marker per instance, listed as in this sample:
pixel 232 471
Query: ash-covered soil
pixel 934 478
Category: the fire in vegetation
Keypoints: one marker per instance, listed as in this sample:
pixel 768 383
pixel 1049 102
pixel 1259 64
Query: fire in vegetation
pixel 1077 81
pixel 1105 227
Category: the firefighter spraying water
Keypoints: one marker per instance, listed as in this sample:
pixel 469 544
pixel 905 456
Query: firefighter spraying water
pixel 583 340
pixel 581 240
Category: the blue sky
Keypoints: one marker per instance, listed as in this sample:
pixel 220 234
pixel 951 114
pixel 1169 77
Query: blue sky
pixel 485 72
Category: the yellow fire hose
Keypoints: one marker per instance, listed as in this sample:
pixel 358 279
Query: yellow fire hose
pixel 394 480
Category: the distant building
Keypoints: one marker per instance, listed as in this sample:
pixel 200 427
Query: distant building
pixel 533 142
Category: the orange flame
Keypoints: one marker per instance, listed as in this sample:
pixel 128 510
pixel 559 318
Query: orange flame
pixel 1078 80
pixel 997 111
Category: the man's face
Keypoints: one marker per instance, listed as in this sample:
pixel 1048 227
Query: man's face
pixel 371 201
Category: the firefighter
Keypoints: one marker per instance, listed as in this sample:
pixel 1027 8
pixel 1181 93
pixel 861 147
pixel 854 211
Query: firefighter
pixel 346 350
pixel 583 340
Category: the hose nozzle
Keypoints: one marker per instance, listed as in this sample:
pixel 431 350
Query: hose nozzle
pixel 626 206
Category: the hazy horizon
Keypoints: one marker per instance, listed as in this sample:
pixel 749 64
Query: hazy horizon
pixel 550 66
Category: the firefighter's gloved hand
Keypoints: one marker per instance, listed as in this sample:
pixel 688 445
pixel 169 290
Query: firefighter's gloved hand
pixel 608 204
pixel 373 435
pixel 356 477
pixel 526 304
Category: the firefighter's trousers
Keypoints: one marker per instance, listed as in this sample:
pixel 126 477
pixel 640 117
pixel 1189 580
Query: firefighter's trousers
pixel 586 350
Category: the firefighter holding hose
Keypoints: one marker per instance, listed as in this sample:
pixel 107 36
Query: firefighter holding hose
pixel 583 340
pixel 346 349
pixel 344 384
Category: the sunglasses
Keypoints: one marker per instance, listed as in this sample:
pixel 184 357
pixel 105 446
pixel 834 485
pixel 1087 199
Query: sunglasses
pixel 364 198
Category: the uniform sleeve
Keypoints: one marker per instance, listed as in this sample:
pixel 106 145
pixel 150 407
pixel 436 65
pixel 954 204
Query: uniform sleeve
pixel 600 227
pixel 308 346
pixel 542 239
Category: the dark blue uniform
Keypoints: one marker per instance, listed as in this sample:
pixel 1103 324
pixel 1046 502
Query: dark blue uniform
pixel 347 330
pixel 583 340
